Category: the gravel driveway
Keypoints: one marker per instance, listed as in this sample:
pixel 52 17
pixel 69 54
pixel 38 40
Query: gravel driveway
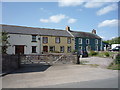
pixel 101 62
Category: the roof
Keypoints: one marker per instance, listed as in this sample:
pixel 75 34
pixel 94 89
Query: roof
pixel 31 30
pixel 84 34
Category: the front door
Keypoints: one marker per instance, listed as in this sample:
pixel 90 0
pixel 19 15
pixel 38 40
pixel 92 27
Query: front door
pixel 45 48
pixel 19 49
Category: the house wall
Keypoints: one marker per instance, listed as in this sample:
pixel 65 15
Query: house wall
pixel 63 42
pixel 91 44
pixel 19 39
pixel 26 40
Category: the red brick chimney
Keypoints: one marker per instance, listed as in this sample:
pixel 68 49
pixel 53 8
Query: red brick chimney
pixel 94 31
pixel 67 28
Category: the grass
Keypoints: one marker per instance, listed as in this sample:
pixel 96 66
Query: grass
pixel 114 66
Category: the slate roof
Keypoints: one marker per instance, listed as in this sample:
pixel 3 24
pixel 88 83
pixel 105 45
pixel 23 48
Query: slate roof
pixel 31 30
pixel 84 34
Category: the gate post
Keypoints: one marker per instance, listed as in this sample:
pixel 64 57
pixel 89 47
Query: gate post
pixel 19 61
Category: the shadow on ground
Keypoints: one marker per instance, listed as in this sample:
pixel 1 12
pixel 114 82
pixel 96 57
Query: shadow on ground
pixel 31 68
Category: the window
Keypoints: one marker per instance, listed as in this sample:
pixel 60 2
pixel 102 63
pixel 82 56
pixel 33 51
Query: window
pixel 69 49
pixel 96 41
pixel 52 48
pixel 33 38
pixel 57 40
pixel 68 40
pixel 80 47
pixel 33 49
pixel 87 41
pixel 80 40
pixel 61 48
pixel 96 47
pixel 45 39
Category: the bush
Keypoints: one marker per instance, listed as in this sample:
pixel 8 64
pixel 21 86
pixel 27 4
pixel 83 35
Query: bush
pixel 93 53
pixel 106 54
pixel 117 59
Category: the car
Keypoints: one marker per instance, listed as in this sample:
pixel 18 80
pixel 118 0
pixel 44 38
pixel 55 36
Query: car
pixel 117 48
pixel 84 53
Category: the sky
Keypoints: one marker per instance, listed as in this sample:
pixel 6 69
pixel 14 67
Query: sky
pixel 79 16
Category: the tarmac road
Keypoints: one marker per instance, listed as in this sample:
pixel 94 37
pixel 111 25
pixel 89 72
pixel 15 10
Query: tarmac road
pixel 63 75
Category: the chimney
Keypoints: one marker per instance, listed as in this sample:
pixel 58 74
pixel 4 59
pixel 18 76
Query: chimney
pixel 67 28
pixel 94 31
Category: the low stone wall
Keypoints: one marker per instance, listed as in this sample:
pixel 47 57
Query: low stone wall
pixel 10 63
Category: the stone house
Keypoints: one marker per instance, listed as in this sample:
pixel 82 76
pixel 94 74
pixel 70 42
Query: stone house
pixel 29 40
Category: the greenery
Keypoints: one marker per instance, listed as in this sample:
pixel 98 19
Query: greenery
pixel 115 65
pixel 4 41
pixel 115 40
pixel 93 53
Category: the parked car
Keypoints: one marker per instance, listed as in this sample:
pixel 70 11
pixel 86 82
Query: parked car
pixel 85 53
pixel 117 48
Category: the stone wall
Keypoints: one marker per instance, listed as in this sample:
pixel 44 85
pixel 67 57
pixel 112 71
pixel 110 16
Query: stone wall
pixel 10 63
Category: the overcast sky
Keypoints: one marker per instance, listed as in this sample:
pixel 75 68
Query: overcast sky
pixel 80 16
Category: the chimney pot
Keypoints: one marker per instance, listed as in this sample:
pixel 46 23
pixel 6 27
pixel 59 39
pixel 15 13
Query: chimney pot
pixel 94 31
pixel 67 28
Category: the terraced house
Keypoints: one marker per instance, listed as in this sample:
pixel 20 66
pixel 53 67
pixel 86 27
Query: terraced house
pixel 86 40
pixel 29 40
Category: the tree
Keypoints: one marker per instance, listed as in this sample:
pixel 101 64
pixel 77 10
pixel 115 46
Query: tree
pixel 4 42
pixel 115 40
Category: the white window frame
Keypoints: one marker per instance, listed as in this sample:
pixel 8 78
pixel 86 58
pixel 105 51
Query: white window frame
pixel 57 40
pixel 80 47
pixel 96 41
pixel 80 40
pixel 52 47
pixel 68 40
pixel 45 39
pixel 61 48
pixel 96 47
pixel 69 50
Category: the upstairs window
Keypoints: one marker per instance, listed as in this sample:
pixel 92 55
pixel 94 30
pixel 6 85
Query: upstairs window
pixel 96 41
pixel 87 41
pixel 57 40
pixel 45 39
pixel 68 40
pixel 80 40
pixel 33 38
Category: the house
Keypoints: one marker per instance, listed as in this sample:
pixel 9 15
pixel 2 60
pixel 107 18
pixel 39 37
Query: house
pixel 86 40
pixel 29 40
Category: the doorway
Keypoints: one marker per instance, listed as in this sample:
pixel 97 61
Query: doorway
pixel 19 49
pixel 45 48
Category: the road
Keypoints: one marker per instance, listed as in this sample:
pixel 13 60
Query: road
pixel 64 74
pixel 103 83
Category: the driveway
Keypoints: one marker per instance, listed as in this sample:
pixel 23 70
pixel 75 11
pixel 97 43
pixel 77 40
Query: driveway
pixel 61 74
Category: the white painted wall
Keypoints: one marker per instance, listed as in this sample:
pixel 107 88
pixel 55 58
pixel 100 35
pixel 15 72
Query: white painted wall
pixel 19 39
pixel 114 45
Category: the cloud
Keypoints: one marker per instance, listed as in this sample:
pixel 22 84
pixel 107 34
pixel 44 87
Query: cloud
pixel 94 4
pixel 72 20
pixel 66 3
pixel 54 18
pixel 107 9
pixel 108 23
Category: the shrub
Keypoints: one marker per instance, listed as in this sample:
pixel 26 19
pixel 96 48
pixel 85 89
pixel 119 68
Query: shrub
pixel 93 53
pixel 117 59
pixel 106 54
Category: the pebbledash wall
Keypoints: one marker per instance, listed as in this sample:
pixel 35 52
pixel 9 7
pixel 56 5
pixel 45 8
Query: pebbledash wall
pixel 22 39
